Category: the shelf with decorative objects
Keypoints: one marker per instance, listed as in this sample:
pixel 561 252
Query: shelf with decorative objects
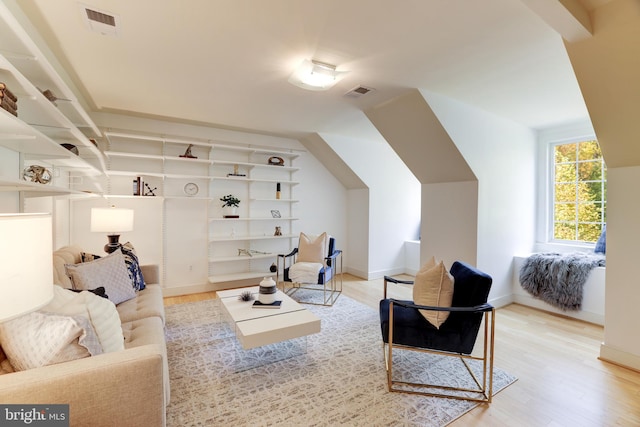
pixel 263 180
pixel 42 119
pixel 207 171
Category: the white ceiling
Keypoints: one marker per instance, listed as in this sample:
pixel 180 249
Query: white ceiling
pixel 226 62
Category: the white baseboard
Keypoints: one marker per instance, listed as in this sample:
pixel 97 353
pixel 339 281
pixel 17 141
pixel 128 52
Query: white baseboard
pixel 619 357
pixel 501 301
pixel 584 315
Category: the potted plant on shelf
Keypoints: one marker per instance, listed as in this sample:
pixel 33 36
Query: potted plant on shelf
pixel 230 205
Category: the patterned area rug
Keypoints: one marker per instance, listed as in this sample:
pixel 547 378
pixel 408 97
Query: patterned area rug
pixel 336 377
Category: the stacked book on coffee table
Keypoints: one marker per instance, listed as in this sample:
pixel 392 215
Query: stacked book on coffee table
pixel 8 100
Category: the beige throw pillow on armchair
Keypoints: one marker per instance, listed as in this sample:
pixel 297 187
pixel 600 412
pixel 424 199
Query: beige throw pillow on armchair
pixel 312 248
pixel 434 287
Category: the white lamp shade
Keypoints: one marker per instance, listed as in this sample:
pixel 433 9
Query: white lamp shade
pixel 26 265
pixel 111 220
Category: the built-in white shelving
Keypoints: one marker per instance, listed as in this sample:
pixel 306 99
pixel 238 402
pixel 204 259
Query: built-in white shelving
pixel 157 160
pixel 41 126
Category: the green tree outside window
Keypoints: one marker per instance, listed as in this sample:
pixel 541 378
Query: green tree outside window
pixel 579 202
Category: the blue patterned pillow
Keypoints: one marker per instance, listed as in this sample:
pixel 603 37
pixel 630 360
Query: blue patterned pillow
pixel 131 259
pixel 601 244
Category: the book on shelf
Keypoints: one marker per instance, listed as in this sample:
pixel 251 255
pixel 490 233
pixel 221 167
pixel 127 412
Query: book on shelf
pixel 275 304
pixel 6 92
pixel 7 107
pixel 8 101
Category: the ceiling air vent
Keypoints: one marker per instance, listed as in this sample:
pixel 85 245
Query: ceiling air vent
pixel 358 91
pixel 100 21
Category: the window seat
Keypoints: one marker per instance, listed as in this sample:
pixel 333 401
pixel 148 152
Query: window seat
pixel 592 302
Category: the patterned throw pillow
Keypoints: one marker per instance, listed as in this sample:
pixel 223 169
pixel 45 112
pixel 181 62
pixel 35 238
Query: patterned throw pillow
pixel 131 259
pixel 109 272
pixel 97 291
pixel 434 287
pixel 87 257
pixel 40 339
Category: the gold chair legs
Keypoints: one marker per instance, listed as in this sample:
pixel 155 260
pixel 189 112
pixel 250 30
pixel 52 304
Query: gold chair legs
pixel 482 393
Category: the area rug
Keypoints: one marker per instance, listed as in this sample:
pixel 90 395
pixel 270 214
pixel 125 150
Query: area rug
pixel 333 378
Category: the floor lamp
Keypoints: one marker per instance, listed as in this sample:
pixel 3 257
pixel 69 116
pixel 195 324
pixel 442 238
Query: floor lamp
pixel 26 269
pixel 112 221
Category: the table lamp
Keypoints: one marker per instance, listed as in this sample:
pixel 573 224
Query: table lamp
pixel 26 267
pixel 111 221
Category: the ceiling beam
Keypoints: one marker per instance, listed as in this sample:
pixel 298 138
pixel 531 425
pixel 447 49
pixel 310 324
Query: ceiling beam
pixel 568 17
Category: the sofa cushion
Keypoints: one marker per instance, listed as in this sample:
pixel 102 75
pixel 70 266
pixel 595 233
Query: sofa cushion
pixel 100 312
pixel 148 303
pixel 434 287
pixel 39 339
pixel 64 255
pixel 142 332
pixel 109 272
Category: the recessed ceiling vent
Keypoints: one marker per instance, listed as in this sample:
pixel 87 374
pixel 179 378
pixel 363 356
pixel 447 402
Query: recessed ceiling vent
pixel 100 21
pixel 358 91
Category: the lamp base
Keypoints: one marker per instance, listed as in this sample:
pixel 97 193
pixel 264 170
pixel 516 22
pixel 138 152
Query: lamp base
pixel 113 243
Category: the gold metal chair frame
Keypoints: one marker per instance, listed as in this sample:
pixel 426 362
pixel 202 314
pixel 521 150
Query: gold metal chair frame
pixel 331 289
pixel 483 392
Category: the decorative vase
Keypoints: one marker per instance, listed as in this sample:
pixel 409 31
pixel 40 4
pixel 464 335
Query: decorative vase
pixel 230 212
pixel 267 293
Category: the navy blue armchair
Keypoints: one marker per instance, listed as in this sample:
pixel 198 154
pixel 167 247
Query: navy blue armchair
pixel 403 327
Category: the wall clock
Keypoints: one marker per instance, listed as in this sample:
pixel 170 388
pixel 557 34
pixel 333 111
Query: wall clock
pixel 190 189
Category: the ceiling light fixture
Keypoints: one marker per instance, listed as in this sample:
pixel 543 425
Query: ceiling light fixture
pixel 315 75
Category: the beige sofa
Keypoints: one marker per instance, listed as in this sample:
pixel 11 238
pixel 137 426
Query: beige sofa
pixel 122 388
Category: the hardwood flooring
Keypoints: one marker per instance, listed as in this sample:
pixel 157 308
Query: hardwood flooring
pixel 561 381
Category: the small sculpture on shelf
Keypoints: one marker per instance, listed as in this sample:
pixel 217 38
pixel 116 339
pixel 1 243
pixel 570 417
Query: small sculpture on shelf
pixel 236 173
pixel 276 161
pixel 187 154
pixel 278 231
pixel 150 191
pixel 37 174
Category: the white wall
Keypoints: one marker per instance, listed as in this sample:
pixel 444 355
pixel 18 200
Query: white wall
pixel 358 232
pixel 622 294
pixel 9 161
pixel 502 155
pixel 393 209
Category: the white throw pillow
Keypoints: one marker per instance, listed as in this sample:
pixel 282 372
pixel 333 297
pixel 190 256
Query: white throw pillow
pixel 39 339
pixel 99 311
pixel 312 248
pixel 434 287
pixel 109 272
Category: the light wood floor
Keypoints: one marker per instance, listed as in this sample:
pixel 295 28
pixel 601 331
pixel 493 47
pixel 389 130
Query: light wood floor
pixel 561 381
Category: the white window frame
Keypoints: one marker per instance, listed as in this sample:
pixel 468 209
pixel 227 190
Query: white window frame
pixel 547 138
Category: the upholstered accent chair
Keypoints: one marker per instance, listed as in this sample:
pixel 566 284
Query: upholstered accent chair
pixel 315 265
pixel 404 327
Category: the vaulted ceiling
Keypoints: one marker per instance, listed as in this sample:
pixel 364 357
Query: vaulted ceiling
pixel 227 62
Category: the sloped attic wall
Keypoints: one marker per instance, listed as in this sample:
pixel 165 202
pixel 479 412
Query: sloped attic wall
pixel 447 144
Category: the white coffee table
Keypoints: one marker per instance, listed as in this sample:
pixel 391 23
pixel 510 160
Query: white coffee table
pixel 255 327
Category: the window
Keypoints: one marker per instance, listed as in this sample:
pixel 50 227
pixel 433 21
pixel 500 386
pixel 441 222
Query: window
pixel 579 189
